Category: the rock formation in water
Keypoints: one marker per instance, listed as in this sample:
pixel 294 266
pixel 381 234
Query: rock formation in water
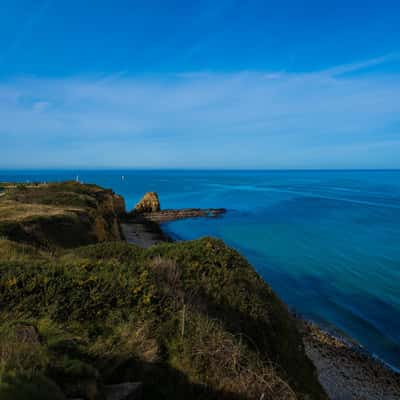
pixel 149 208
pixel 183 213
pixel 149 203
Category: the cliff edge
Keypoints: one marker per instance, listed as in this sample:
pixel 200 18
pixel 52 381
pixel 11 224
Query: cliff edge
pixel 177 320
pixel 65 214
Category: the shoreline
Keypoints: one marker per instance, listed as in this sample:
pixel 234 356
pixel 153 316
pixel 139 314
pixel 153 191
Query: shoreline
pixel 349 342
pixel 346 370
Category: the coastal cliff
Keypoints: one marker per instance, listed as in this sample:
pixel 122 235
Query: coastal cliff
pixel 81 310
pixel 60 214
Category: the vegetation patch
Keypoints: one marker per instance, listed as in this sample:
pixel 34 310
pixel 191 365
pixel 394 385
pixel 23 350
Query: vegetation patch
pixel 188 320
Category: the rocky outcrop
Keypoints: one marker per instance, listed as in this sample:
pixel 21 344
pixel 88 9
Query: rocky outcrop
pixel 141 225
pixel 119 205
pixel 149 203
pixel 173 215
pixel 149 208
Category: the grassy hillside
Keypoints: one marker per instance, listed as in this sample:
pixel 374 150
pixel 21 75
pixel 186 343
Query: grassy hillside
pixel 66 214
pixel 189 320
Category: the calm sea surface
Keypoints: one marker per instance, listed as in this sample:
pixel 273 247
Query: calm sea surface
pixel 328 242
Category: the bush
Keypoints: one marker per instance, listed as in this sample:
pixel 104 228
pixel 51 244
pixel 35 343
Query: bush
pixel 119 310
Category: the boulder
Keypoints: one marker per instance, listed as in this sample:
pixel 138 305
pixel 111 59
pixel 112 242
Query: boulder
pixel 149 203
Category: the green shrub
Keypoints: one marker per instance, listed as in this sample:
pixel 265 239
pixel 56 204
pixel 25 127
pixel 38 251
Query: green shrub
pixel 193 315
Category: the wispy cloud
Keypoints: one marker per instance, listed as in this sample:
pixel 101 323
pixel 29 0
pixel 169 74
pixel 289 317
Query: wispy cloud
pixel 244 119
pixel 358 66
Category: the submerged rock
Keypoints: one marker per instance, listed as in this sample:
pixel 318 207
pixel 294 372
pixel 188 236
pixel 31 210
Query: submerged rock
pixel 149 203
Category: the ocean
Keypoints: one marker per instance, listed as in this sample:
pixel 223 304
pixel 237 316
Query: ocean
pixel 328 242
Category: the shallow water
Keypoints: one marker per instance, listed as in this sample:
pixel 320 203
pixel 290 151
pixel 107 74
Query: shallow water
pixel 326 241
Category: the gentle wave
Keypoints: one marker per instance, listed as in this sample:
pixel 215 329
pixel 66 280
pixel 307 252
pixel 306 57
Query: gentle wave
pixel 304 194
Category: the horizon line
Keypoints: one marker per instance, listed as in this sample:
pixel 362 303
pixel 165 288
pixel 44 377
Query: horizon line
pixel 73 168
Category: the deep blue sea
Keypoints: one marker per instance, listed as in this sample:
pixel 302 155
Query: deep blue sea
pixel 328 242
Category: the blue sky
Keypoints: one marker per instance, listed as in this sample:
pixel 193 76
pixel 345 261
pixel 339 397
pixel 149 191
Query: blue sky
pixel 200 84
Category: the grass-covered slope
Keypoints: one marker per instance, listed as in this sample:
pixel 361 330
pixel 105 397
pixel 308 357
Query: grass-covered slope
pixel 189 320
pixel 64 214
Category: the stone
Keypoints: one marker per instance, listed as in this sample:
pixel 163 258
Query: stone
pixel 149 203
pixel 123 391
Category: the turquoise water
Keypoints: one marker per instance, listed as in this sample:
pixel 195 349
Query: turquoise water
pixel 328 242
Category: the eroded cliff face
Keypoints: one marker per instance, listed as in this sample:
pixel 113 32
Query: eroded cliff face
pixel 62 215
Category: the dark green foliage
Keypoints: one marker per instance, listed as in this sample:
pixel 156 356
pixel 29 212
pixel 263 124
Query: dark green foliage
pixel 121 307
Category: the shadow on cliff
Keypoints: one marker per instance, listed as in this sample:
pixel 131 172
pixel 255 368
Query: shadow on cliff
pixel 148 225
pixel 276 339
pixel 160 381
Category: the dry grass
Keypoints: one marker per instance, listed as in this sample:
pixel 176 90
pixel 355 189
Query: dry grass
pixel 129 340
pixel 228 364
pixel 167 270
pixel 10 250
pixel 20 350
pixel 16 212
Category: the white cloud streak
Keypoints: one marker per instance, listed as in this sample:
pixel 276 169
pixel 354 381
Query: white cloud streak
pixel 253 113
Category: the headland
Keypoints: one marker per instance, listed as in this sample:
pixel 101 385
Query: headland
pixel 84 314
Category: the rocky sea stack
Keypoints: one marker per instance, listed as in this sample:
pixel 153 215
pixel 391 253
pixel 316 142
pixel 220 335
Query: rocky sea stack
pixel 149 203
pixel 149 209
